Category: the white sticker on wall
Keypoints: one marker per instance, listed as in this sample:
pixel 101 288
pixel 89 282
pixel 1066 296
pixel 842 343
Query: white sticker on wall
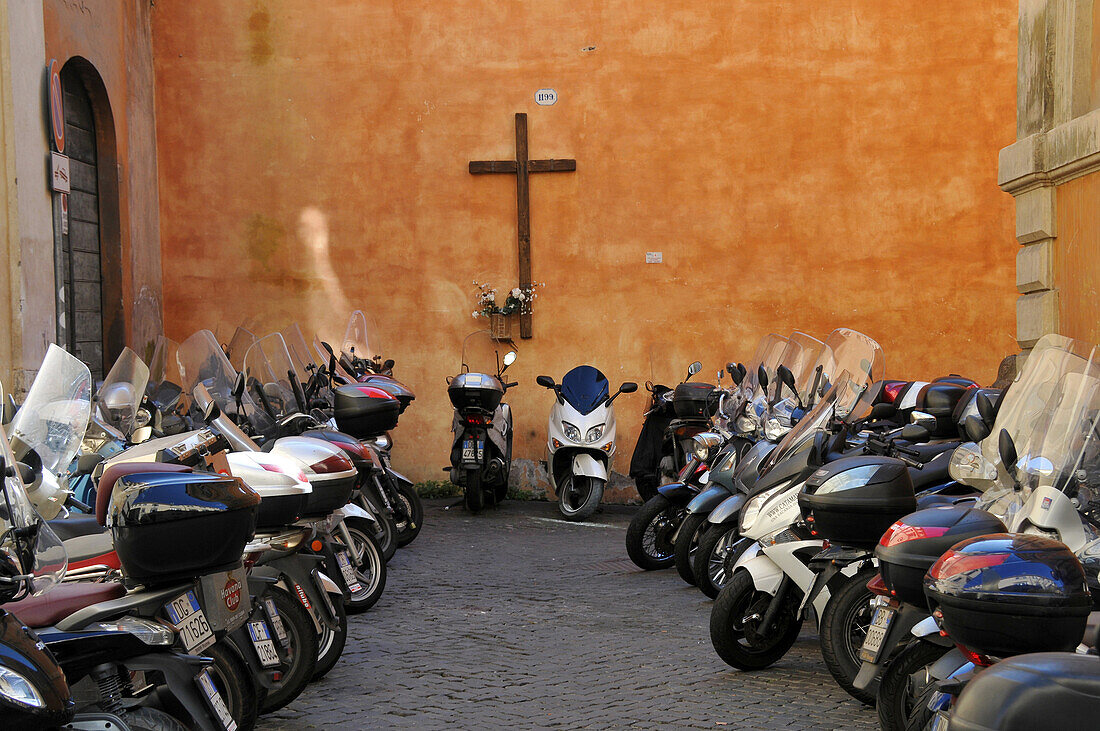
pixel 654 257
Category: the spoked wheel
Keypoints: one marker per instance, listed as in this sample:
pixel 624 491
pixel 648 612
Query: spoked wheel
pixel 299 654
pixel 579 497
pixel 330 642
pixel 906 686
pixel 652 531
pixel 370 567
pixel 475 498
pixel 719 549
pixel 843 628
pixel 408 527
pixel 736 624
pixel 687 543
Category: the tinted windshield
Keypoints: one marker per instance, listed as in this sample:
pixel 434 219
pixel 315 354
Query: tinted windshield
pixel 201 360
pixel 240 343
pixel 584 388
pixel 268 371
pixel 53 419
pixel 851 352
pixel 120 395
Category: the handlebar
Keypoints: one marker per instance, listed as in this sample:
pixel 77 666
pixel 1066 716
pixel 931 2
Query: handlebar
pixel 72 501
pixel 510 385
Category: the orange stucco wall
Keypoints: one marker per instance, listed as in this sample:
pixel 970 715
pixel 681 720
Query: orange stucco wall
pixel 1076 265
pixel 799 165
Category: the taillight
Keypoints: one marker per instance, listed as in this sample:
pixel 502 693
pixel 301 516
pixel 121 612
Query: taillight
pixel 332 463
pixel 979 660
pixel 478 420
pixel 892 390
pixel 901 532
pixel 877 586
pixel 951 563
pixel 375 392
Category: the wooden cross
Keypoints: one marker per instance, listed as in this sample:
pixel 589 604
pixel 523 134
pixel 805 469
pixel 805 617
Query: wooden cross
pixel 521 167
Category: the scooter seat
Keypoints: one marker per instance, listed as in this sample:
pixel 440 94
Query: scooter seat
pixel 61 601
pixel 76 526
pixel 111 474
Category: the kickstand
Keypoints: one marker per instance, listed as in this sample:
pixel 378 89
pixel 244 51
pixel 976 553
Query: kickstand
pixel 459 504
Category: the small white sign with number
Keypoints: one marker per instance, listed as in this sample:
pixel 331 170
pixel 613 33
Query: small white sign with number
pixel 654 257
pixel 546 97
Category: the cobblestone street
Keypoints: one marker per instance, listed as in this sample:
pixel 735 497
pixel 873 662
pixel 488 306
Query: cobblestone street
pixel 516 619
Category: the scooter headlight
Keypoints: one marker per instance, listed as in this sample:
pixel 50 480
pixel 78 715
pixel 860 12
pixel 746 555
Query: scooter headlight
pixel 19 690
pixel 752 508
pixel 704 444
pixel 151 633
pixel 594 434
pixel 572 433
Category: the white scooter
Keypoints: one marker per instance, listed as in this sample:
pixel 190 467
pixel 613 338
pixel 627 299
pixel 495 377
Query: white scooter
pixel 580 439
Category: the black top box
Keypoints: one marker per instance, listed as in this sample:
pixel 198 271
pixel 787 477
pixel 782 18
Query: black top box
pixel 695 401
pixel 852 500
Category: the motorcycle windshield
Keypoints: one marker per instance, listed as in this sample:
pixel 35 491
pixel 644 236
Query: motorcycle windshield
pixel 238 346
pixel 482 354
pixel 337 369
pixel 800 355
pixel 851 352
pixel 300 354
pixel 53 419
pixel 768 353
pixel 165 379
pixel 585 388
pixel 361 338
pixel 201 360
pixel 120 395
pixel 39 552
pixel 269 371
pixel 808 427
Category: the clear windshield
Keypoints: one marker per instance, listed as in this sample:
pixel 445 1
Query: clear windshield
pixel 53 419
pixel 584 388
pixel 361 338
pixel 300 353
pixel 165 379
pixel 238 346
pixel 120 395
pixel 1063 451
pixel 201 360
pixel 851 352
pixel 269 370
pixel 482 354
pixel 323 353
pixel 800 355
pixel 768 353
pixel 814 423
pixel 43 556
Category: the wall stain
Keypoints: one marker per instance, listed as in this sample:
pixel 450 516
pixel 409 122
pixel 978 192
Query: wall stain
pixel 263 239
pixel 259 31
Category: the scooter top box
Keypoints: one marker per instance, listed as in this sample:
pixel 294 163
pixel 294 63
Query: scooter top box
pixel 476 391
pixel 852 500
pixel 695 400
pixel 1008 594
pixel 169 526
pixel 910 546
pixel 364 411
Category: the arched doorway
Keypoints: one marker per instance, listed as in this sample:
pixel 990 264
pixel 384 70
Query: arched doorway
pixel 90 319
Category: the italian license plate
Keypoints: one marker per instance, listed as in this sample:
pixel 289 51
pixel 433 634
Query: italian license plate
pixel 472 450
pixel 216 701
pixel 347 571
pixel 186 614
pixel 876 634
pixel 261 640
pixel 276 621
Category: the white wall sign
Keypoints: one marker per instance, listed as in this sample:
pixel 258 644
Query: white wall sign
pixel 546 97
pixel 654 257
pixel 59 172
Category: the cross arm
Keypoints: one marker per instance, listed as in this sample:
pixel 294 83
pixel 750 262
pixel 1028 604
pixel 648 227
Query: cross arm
pixel 480 167
pixel 550 166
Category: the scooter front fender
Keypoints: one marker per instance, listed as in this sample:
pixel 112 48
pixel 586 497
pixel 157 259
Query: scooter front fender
pixel 678 493
pixel 351 510
pixel 397 476
pixel 766 574
pixel 729 510
pixel 587 465
pixel 708 500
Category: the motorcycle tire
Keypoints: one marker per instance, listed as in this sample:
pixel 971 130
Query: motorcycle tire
pixel 590 488
pixel 719 548
pixel 300 656
pixel 233 679
pixel 687 544
pixel 409 529
pixel 370 571
pixel 900 700
pixel 736 643
pixel 475 498
pixel 842 629
pixel 151 719
pixel 386 530
pixel 649 538
pixel 330 642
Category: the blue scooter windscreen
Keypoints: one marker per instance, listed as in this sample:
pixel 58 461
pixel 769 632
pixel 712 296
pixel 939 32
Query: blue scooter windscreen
pixel 584 388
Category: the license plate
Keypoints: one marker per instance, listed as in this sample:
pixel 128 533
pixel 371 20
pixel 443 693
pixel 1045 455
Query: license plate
pixel 216 701
pixel 876 634
pixel 348 572
pixel 261 640
pixel 276 621
pixel 189 620
pixel 472 450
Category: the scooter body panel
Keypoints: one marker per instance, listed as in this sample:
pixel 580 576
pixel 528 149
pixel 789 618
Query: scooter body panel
pixel 678 493
pixel 708 499
pixel 728 511
pixel 586 464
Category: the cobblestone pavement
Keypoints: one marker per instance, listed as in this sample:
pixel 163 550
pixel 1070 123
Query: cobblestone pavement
pixel 515 619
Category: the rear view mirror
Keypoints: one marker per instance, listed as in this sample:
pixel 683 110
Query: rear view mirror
pixel 388 364
pixel 986 408
pixel 212 411
pixel 509 358
pixel 545 381
pixel 629 387
pixel 238 386
pixel 975 428
pixel 9 409
pixel 694 368
pixel 786 377
pixel 922 418
pixel 1006 448
pixel 762 377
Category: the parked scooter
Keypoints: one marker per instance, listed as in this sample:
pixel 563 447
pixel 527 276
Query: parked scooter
pixel 481 454
pixel 580 440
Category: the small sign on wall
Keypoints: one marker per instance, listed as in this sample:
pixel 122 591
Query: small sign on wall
pixel 654 257
pixel 546 97
pixel 64 213
pixel 59 172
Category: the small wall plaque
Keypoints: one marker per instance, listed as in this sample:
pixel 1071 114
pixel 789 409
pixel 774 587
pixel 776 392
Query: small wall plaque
pixel 654 257
pixel 546 97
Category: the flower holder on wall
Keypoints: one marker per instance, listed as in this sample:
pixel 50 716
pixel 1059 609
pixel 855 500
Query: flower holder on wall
pixel 500 326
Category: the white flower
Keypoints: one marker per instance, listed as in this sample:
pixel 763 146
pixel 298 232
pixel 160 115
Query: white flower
pixel 476 314
pixel 517 293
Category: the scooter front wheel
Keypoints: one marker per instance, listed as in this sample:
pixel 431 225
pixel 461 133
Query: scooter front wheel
pixel 719 548
pixel 652 530
pixel 687 544
pixel 736 627
pixel 370 571
pixel 579 497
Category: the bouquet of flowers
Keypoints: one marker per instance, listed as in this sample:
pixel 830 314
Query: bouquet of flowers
pixel 518 299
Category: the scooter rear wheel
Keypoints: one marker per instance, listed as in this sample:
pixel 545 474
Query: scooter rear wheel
pixel 902 695
pixel 409 529
pixel 300 654
pixel 370 571
pixel 475 498
pixel 330 642
pixel 842 629
pixel 579 497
